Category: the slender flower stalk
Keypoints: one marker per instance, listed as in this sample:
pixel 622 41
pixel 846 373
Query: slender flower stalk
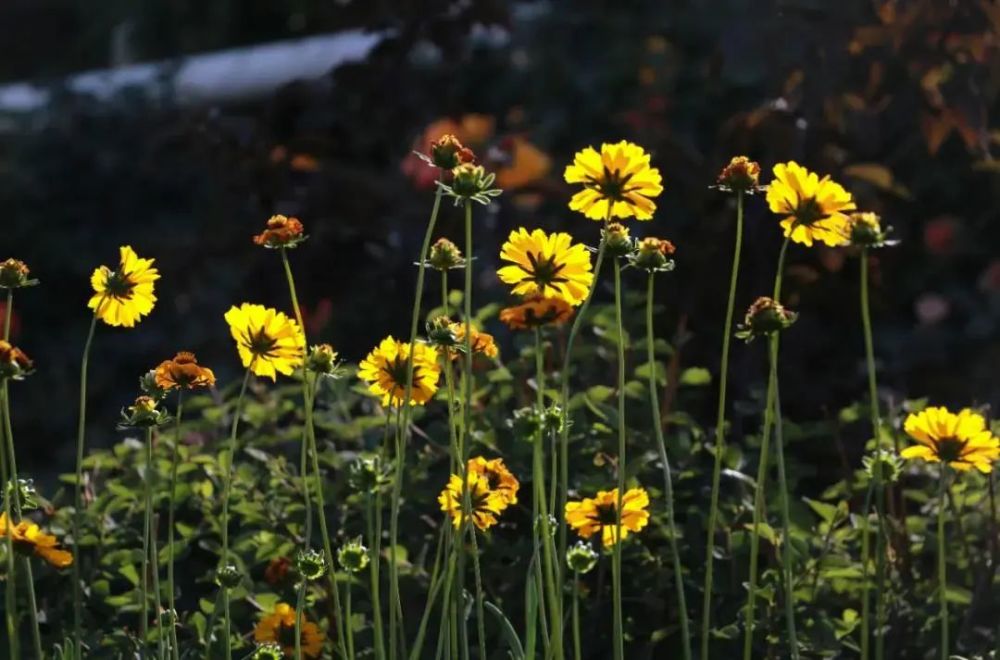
pixel 10 600
pixel 171 512
pixel 668 488
pixel 150 555
pixel 616 575
pixel 226 491
pixel 577 652
pixel 81 431
pixel 720 434
pixel 942 564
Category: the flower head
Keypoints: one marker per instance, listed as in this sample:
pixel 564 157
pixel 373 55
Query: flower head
pixel 14 363
pixel 865 230
pixel 764 317
pixel 281 232
pixel 546 265
pixel 366 474
pixel 228 576
pixel 740 175
pixel 353 556
pixel 581 557
pixel 600 514
pixel 617 182
pixel 535 312
pixel 485 504
pixel 447 153
pixel 482 343
pixel 29 539
pixel 883 466
pixel 183 373
pixel 310 564
pixel 498 478
pixel 812 209
pixel 445 255
pixel 616 239
pixel 15 274
pixel 323 361
pixel 526 423
pixel 385 369
pixel 144 413
pixel 267 340
pixel 961 440
pixel 278 626
pixel 268 651
pixel 653 254
pixel 124 295
pixel 471 182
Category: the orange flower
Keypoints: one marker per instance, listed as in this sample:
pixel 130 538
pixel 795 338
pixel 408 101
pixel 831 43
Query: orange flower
pixel 183 372
pixel 29 538
pixel 281 232
pixel 14 364
pixel 536 312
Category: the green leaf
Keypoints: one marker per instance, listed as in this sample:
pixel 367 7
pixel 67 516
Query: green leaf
pixel 129 572
pixel 696 377
pixel 509 634
pixel 827 512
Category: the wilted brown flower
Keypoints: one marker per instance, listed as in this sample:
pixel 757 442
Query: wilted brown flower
pixel 740 175
pixel 183 372
pixel 281 232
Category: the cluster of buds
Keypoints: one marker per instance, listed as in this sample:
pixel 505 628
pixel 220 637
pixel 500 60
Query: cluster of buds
pixel 323 361
pixel 471 183
pixel 14 364
pixel 310 564
pixel 867 231
pixel 741 175
pixel 367 474
pixel 445 255
pixel 653 254
pixel 353 556
pixel 764 317
pixel 281 232
pixel 581 557
pixel 144 413
pixel 15 274
pixel 616 239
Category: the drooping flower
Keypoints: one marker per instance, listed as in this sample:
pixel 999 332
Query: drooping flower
pixel 546 265
pixel 268 341
pixel 740 175
pixel 14 363
pixel 385 370
pixel 598 515
pixel 485 505
pixel 281 232
pixel 278 626
pixel 184 373
pixel 28 538
pixel 498 478
pixel 618 182
pixel 536 312
pixel 15 274
pixel 962 440
pixel 124 295
pixel 811 208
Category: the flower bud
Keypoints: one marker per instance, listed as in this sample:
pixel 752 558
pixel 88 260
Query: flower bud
pixel 764 317
pixel 526 423
pixel 552 419
pixel 740 175
pixel 653 254
pixel 471 182
pixel 149 387
pixel 268 651
pixel 447 153
pixel 367 474
pixel 617 241
pixel 441 332
pixel 322 360
pixel 228 576
pixel 310 564
pixel 581 558
pixel 14 274
pixel 353 556
pixel 883 466
pixel 866 230
pixel 552 522
pixel 445 255
pixel 281 232
pixel 143 414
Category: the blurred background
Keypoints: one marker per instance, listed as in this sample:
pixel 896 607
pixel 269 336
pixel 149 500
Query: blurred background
pixel 179 126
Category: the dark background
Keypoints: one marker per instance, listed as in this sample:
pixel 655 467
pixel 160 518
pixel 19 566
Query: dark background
pixel 897 100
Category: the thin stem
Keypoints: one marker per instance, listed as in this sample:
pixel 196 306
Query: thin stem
pixel 577 654
pixel 78 495
pixel 435 586
pixel 171 512
pixel 616 575
pixel 395 602
pixel 477 577
pixel 720 434
pixel 226 490
pixel 786 548
pixel 865 552
pixel 153 558
pixel 148 497
pixel 347 610
pixel 373 572
pixel 942 564
pixel 10 600
pixel 668 487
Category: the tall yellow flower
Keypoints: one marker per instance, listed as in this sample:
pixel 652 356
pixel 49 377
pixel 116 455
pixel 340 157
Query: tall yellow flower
pixel 122 296
pixel 28 538
pixel 618 178
pixel 546 265
pixel 812 209
pixel 278 626
pixel 485 504
pixel 963 441
pixel 599 514
pixel 498 478
pixel 267 340
pixel 385 370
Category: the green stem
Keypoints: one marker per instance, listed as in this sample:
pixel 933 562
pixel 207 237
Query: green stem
pixel 786 547
pixel 147 514
pixel 371 506
pixel 668 487
pixel 226 490
pixel 577 654
pixel 435 586
pixel 171 512
pixel 300 598
pixel 865 552
pixel 619 632
pixel 347 610
pixel 153 558
pixel 942 564
pixel 477 577
pixel 396 626
pixel 10 600
pixel 720 434
pixel 78 496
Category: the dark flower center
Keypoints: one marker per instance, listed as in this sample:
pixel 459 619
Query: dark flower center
pixel 613 185
pixel 396 370
pixel 808 212
pixel 285 635
pixel 119 285
pixel 545 271
pixel 949 450
pixel 607 515
pixel 261 343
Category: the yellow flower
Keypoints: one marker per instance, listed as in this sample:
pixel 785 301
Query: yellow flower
pixel 124 295
pixel 812 209
pixel 536 312
pixel 546 265
pixel 590 516
pixel 485 504
pixel 279 627
pixel 267 340
pixel 963 441
pixel 617 182
pixel 183 372
pixel 482 342
pixel 27 537
pixel 385 370
pixel 498 478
